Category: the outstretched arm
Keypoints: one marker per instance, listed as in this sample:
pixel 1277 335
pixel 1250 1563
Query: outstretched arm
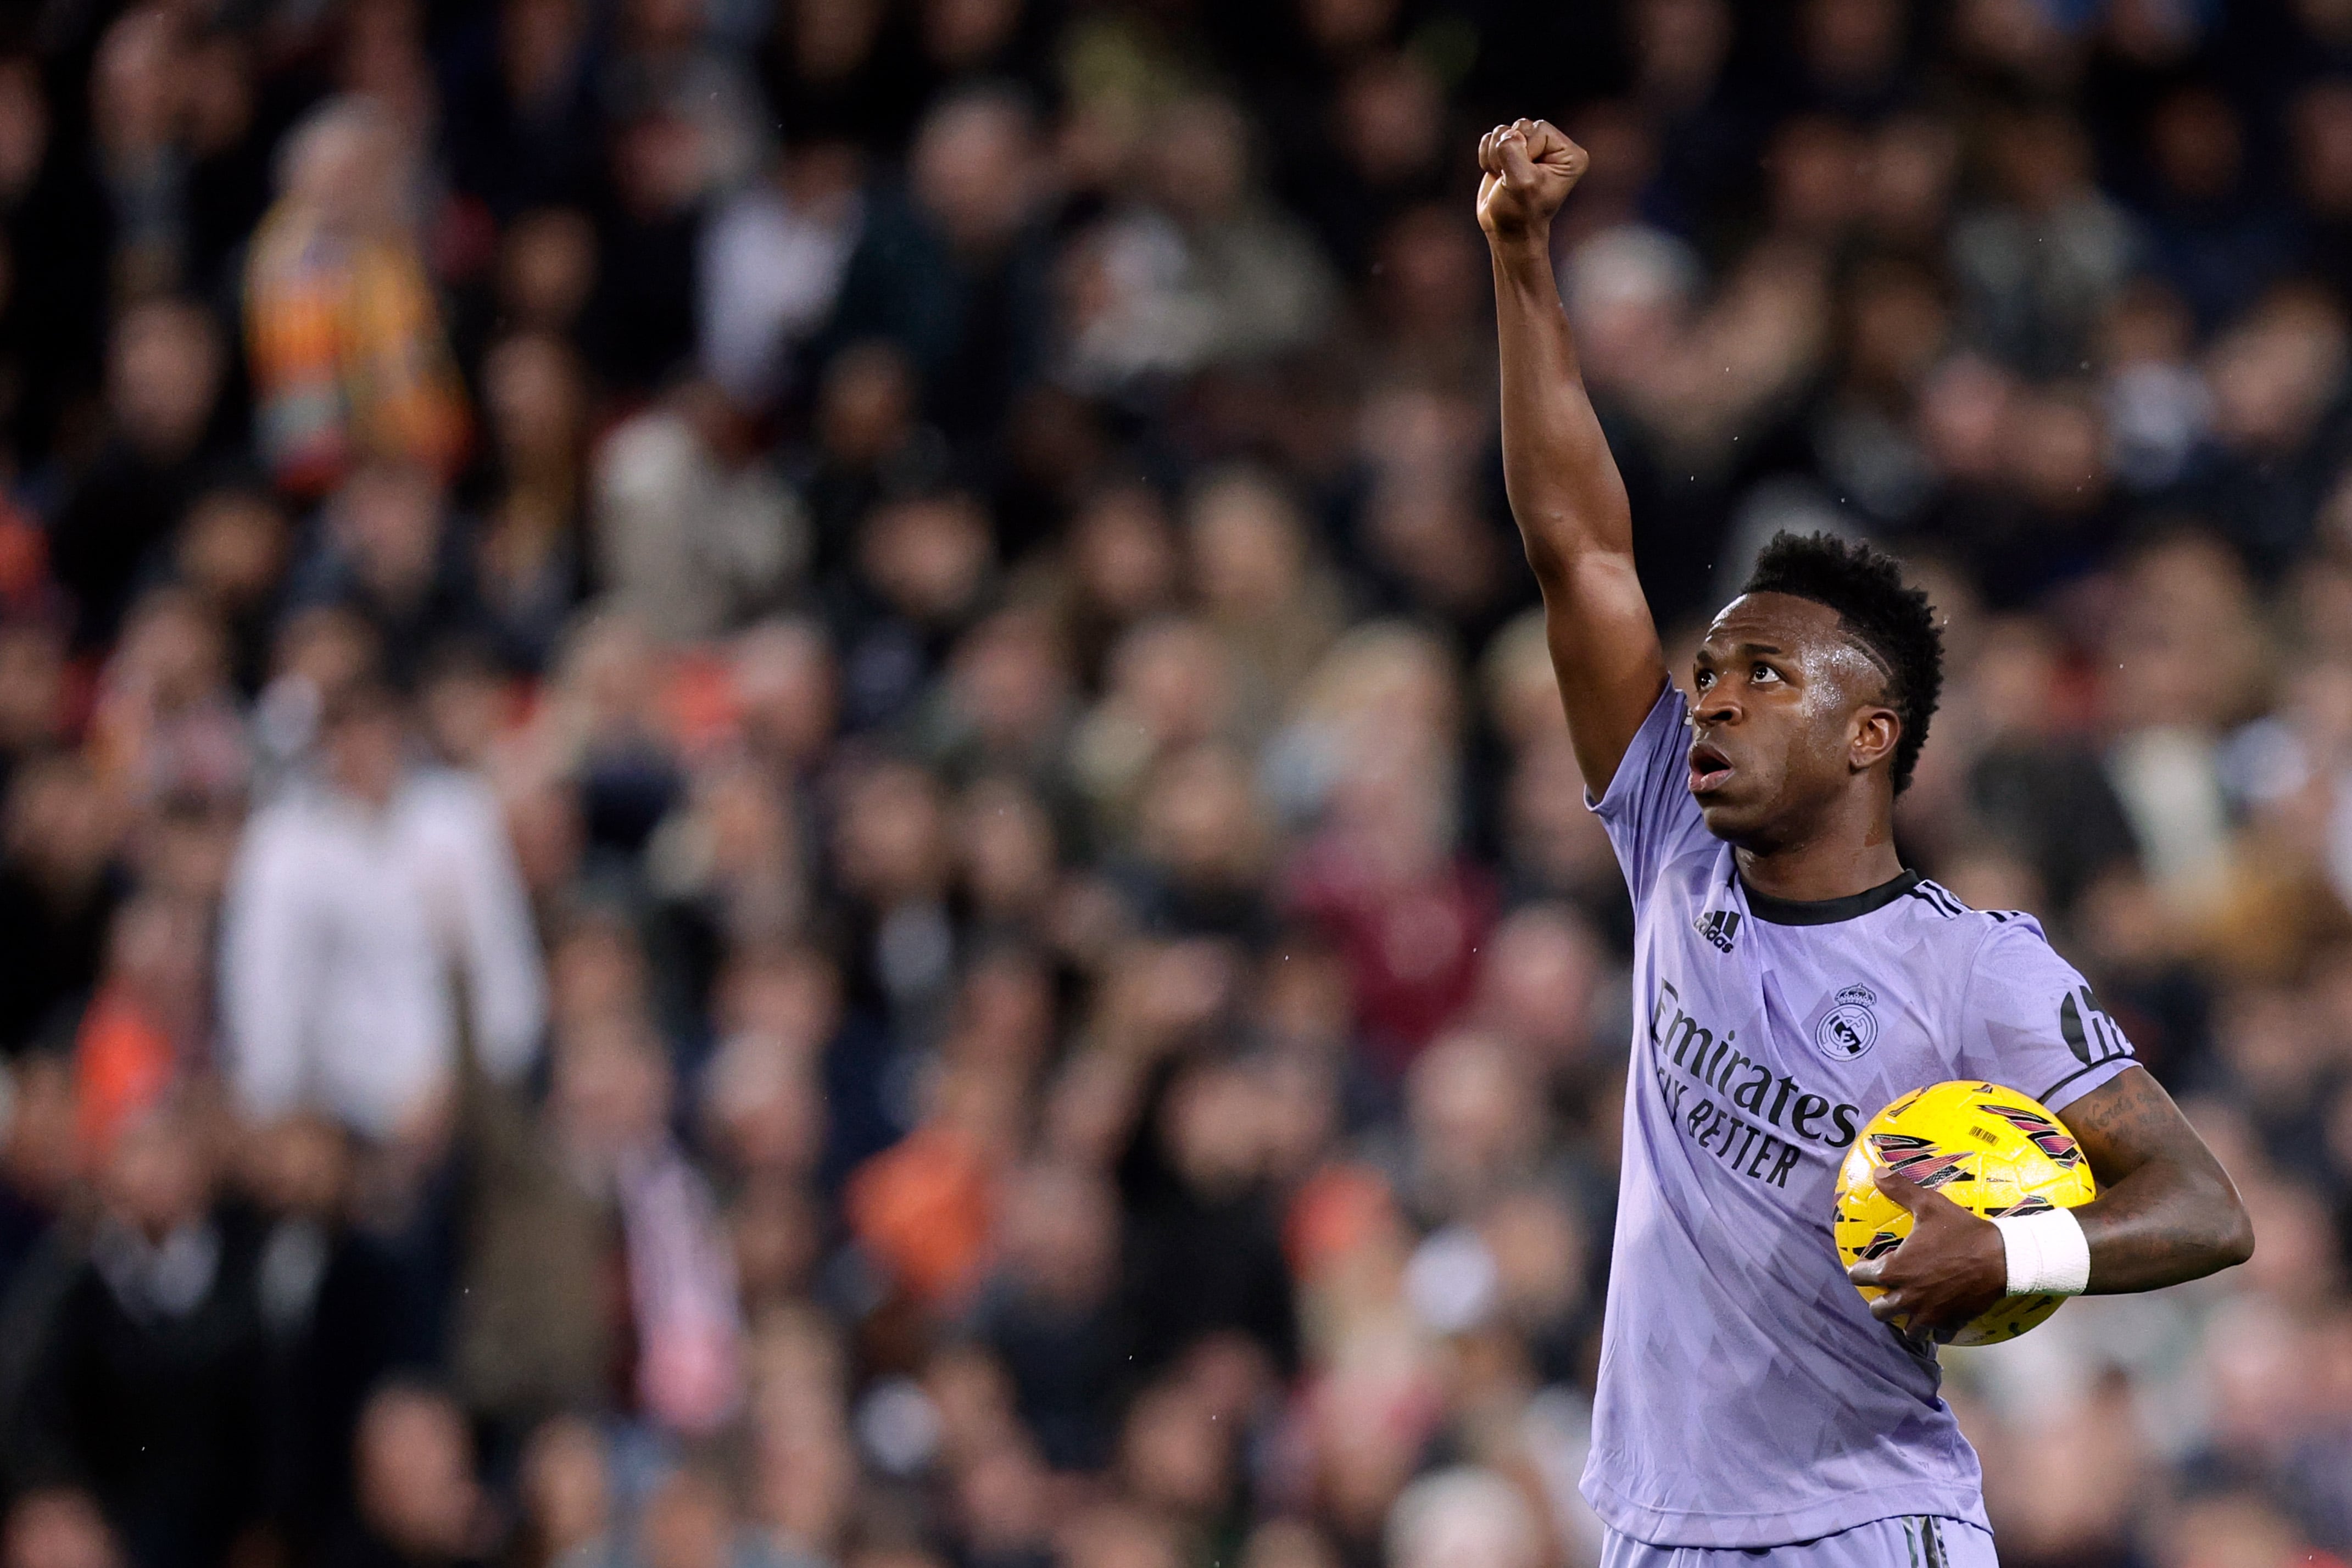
pixel 1564 486
pixel 2166 1212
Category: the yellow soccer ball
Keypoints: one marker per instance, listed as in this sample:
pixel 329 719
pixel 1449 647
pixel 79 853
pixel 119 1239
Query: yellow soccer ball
pixel 1991 1150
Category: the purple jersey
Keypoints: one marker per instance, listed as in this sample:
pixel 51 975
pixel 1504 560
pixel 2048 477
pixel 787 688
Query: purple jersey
pixel 1747 1397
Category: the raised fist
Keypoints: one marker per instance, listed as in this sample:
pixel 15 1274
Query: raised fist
pixel 1526 169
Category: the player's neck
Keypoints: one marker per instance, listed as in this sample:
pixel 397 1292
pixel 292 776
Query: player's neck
pixel 1832 865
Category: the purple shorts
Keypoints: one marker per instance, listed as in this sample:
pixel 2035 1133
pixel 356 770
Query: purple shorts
pixel 1912 1540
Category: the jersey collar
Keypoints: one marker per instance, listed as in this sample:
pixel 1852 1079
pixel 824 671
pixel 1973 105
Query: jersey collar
pixel 1825 911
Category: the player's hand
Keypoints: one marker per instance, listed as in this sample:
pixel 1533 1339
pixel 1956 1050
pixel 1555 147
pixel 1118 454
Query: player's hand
pixel 1951 1269
pixel 1525 170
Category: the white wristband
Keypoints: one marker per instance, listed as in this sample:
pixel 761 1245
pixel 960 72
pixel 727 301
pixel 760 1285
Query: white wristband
pixel 2048 1254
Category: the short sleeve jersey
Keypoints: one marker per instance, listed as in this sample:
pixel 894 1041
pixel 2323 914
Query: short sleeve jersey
pixel 1747 1397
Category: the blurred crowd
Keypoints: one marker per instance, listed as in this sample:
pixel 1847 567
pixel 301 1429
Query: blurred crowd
pixel 780 793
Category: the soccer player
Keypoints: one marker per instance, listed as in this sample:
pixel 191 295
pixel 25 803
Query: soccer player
pixel 1792 979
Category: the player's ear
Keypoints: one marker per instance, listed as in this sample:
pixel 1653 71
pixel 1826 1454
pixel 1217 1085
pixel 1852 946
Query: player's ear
pixel 1875 731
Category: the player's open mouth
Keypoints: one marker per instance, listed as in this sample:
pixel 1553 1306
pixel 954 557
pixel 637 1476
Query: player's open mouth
pixel 1708 768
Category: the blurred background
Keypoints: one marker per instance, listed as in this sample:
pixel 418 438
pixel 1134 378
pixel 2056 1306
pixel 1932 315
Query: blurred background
pixel 779 792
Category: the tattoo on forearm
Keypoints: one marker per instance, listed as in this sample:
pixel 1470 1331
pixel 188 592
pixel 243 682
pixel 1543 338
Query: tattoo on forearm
pixel 2167 1211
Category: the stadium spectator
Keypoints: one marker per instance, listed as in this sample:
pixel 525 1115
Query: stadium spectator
pixel 348 357
pixel 420 1502
pixel 164 372
pixel 358 899
pixel 59 886
pixel 150 1387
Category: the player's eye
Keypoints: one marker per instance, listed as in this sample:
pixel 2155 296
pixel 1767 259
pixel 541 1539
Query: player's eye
pixel 1763 672
pixel 1703 679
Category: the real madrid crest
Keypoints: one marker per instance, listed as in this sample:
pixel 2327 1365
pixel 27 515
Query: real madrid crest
pixel 1848 1028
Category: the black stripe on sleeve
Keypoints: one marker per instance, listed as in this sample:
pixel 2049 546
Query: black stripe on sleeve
pixel 2128 1059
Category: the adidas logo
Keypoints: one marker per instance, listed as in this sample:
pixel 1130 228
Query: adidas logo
pixel 1720 926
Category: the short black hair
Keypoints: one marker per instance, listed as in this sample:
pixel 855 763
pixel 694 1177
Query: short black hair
pixel 1877 609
